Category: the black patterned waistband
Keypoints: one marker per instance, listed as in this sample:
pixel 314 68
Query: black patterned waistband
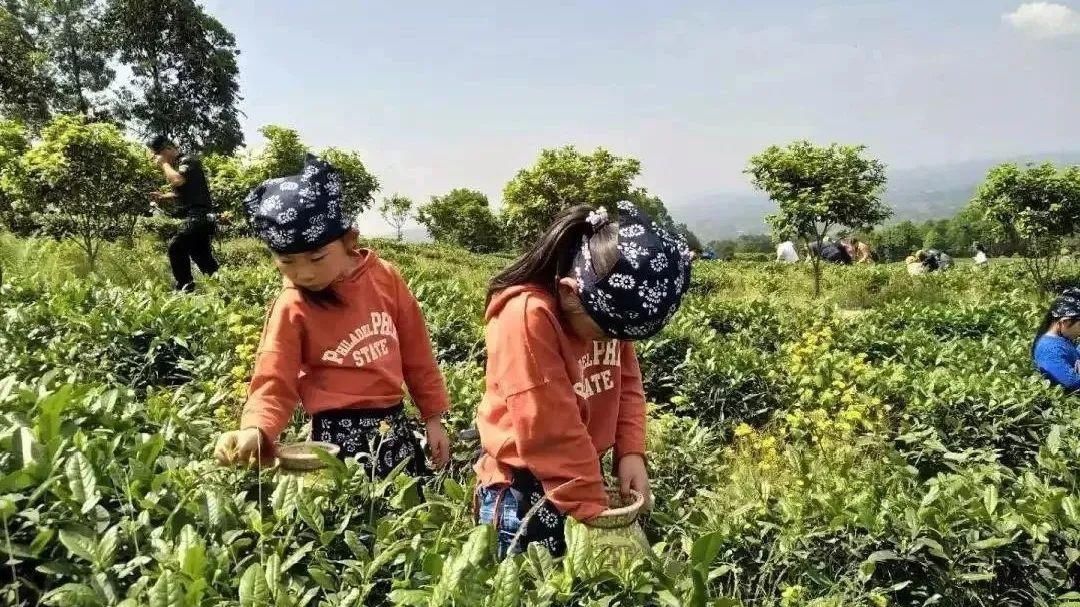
pixel 333 415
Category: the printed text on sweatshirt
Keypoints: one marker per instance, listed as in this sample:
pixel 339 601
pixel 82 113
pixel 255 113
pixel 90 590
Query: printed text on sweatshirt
pixel 554 403
pixel 359 354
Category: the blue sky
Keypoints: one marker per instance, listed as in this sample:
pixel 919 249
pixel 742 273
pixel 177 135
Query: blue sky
pixel 438 95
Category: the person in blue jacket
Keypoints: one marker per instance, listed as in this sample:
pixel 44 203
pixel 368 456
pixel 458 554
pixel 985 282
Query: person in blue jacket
pixel 1054 351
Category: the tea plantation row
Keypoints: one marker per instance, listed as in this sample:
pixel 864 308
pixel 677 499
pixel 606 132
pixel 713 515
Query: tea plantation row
pixel 888 445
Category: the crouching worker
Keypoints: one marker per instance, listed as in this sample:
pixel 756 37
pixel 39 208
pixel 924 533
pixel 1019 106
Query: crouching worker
pixel 1054 351
pixel 563 384
pixel 343 337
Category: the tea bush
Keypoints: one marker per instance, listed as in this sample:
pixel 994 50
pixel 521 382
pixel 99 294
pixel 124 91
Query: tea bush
pixel 888 444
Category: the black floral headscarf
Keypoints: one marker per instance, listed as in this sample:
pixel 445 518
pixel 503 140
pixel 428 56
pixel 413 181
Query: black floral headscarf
pixel 646 284
pixel 299 213
pixel 1067 305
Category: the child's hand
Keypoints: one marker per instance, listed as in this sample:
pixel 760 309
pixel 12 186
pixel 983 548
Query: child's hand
pixel 438 442
pixel 633 475
pixel 240 447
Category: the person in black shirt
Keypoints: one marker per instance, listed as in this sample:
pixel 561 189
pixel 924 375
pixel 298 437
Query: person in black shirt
pixel 189 201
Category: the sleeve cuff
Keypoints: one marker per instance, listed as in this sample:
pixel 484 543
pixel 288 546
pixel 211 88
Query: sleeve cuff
pixel 587 512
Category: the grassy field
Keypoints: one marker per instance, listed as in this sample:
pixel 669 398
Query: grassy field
pixel 888 444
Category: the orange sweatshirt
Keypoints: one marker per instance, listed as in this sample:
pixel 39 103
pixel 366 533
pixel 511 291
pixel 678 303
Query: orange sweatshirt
pixel 555 402
pixel 356 355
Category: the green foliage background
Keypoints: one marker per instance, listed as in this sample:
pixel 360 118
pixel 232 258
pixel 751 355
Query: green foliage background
pixel 888 444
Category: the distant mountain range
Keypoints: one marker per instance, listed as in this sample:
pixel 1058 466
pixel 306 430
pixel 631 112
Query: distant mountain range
pixel 918 194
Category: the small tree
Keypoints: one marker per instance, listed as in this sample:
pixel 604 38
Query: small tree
pixel 653 206
pixel 82 181
pixel 13 144
pixel 233 176
pixel 936 239
pixel 463 217
pixel 896 242
pixel 818 189
pixel 396 210
pixel 359 186
pixel 1035 208
pixel 561 178
pixel 183 79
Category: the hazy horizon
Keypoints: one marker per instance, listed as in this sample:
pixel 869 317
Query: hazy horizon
pixel 443 96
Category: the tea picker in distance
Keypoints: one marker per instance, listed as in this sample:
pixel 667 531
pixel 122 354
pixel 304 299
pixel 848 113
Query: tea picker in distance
pixel 563 384
pixel 341 339
pixel 189 201
pixel 1054 352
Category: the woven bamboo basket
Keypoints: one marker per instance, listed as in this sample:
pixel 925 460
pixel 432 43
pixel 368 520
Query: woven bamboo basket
pixel 300 457
pixel 615 533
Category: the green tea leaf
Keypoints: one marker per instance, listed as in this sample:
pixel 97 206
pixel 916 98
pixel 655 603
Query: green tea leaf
pixel 106 548
pixel 296 556
pixel 272 566
pixel 990 499
pixel 283 500
pixel 505 587
pixel 71 594
pixel 47 425
pixel 167 592
pixel 253 589
pixel 453 490
pixel 82 481
pixel 990 543
pixel 192 553
pixel 322 578
pixel 577 548
pixel 705 549
pixel 41 540
pixel 310 512
pixel 79 544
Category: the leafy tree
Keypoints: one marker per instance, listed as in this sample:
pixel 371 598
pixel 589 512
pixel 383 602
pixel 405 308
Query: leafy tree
pixel 74 37
pixel 724 249
pixel 754 243
pixel 233 176
pixel 395 211
pixel 936 239
pixel 691 239
pixel 462 217
pixel 13 144
pixel 1035 207
pixel 820 188
pixel 25 87
pixel 82 181
pixel 896 242
pixel 653 206
pixel 358 184
pixel 183 66
pixel 282 155
pixel 561 178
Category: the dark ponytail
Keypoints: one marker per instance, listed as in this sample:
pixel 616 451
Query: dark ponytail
pixel 552 257
pixel 1044 326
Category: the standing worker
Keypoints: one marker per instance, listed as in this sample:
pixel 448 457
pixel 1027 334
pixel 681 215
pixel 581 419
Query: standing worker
pixel 190 202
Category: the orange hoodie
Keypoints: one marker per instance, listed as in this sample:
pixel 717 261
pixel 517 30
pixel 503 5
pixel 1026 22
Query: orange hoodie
pixel 353 356
pixel 555 402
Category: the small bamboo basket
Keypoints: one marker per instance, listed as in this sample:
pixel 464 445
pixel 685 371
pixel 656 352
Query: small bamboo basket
pixel 615 532
pixel 301 457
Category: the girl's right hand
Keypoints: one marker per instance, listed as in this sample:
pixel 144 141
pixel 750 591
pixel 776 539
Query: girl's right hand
pixel 241 447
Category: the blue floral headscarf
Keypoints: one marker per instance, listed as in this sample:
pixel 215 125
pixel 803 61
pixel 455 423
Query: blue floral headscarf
pixel 646 284
pixel 301 212
pixel 1067 305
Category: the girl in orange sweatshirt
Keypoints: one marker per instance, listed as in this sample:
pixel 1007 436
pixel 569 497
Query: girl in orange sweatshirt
pixel 563 384
pixel 342 338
